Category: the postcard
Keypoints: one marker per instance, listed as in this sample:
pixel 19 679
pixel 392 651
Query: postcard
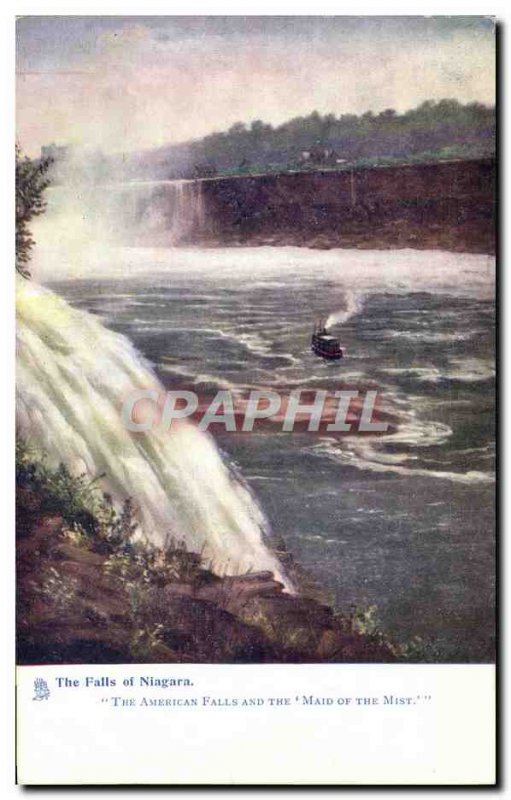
pixel 255 372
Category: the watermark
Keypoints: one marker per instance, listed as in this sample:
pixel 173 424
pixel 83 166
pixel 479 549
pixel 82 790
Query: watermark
pixel 345 411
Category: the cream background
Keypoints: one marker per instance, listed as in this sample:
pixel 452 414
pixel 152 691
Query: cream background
pixel 74 738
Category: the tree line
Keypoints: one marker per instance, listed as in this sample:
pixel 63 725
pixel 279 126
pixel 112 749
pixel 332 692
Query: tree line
pixel 442 129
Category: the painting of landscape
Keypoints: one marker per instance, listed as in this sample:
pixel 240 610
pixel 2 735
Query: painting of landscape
pixel 255 299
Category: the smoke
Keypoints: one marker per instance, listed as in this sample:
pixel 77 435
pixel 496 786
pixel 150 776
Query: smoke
pixel 353 305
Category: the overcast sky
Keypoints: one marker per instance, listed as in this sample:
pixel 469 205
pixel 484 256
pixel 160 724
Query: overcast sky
pixel 126 83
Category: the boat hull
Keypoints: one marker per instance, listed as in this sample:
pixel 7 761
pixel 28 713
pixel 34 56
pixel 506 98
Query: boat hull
pixel 324 354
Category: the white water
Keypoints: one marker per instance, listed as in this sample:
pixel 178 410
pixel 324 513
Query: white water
pixel 187 214
pixel 71 246
pixel 73 372
pixel 72 375
pixel 358 274
pixel 366 453
pixel 83 221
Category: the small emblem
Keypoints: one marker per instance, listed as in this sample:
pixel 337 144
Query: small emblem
pixel 41 689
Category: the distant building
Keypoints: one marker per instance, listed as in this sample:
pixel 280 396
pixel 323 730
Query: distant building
pixel 321 156
pixel 204 171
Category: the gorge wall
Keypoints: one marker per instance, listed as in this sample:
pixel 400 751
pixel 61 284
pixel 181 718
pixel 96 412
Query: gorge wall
pixel 448 205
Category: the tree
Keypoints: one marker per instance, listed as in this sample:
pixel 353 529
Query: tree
pixel 389 113
pixel 258 126
pixel 238 128
pixel 31 182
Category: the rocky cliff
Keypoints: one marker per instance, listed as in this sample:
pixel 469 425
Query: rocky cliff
pixel 449 205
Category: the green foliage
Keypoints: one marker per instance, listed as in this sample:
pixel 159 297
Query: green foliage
pixel 59 590
pixel 364 620
pixel 145 640
pixel 85 509
pixel 76 498
pixel 132 566
pixel 92 520
pixel 31 182
pixel 432 131
pixel 421 651
pixel 114 530
pixel 153 566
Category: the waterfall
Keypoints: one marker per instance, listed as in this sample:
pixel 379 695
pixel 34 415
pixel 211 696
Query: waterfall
pixel 72 377
pixel 187 212
pixel 84 218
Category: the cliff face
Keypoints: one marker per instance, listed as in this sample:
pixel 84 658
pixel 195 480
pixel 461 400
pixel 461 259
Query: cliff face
pixel 446 205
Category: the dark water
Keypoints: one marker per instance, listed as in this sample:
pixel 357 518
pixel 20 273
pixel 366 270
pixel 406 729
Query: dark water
pixel 404 522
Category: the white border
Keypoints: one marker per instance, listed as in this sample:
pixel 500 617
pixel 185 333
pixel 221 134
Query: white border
pixel 325 724
pixel 8 11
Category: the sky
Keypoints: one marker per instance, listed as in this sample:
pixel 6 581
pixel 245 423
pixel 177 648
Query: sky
pixel 129 83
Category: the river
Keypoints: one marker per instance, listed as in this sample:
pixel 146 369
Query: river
pixel 403 522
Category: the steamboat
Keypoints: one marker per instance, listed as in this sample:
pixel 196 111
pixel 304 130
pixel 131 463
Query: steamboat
pixel 325 345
